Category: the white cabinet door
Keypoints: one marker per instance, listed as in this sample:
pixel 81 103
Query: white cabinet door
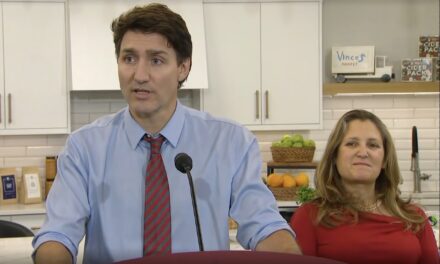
pixel 94 65
pixel 265 70
pixel 290 50
pixel 3 98
pixel 234 61
pixel 34 58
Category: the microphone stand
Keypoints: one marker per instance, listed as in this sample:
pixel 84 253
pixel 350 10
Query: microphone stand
pixel 196 213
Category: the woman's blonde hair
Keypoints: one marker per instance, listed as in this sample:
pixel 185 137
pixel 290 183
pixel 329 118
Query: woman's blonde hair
pixel 335 203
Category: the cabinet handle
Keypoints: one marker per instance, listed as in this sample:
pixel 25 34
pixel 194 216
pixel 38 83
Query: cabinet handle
pixel 257 104
pixel 267 104
pixel 9 109
pixel 0 108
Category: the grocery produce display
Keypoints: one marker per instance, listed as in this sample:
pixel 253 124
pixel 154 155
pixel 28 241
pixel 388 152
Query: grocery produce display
pixel 293 148
pixel 285 186
pixel 295 141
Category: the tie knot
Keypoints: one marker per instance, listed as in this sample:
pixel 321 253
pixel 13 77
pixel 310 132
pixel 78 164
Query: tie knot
pixel 155 143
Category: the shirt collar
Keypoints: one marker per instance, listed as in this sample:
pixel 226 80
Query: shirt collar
pixel 171 131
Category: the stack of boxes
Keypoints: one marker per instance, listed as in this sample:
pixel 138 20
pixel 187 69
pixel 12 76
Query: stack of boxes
pixel 426 67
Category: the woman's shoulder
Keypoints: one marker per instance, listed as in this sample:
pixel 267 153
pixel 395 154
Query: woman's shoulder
pixel 310 208
pixel 417 208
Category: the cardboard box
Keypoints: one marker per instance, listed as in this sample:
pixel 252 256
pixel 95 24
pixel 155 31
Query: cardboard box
pixel 429 46
pixel 8 186
pixel 417 70
pixel 30 187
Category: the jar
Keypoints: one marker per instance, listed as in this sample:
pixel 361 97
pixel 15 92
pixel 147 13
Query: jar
pixel 51 168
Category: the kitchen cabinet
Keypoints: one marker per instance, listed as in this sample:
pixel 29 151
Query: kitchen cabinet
pixel 30 215
pixel 33 68
pixel 94 65
pixel 264 63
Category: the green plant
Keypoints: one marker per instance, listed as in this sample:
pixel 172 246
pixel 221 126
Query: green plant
pixel 305 194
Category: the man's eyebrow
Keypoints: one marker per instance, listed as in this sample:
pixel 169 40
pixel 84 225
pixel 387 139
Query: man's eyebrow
pixel 156 52
pixel 128 50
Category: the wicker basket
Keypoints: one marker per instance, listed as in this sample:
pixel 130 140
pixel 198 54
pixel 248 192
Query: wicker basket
pixel 283 154
pixel 284 194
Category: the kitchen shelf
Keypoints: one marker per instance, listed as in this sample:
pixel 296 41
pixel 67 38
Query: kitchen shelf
pixel 271 165
pixel 380 88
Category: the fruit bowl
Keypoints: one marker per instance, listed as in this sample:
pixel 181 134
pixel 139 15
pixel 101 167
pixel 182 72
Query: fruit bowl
pixel 292 154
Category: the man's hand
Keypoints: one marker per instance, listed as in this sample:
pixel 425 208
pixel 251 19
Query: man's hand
pixel 280 241
pixel 52 252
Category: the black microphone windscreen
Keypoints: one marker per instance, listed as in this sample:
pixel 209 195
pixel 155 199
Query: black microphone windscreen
pixel 183 162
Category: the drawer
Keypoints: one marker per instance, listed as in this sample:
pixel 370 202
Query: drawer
pixel 33 222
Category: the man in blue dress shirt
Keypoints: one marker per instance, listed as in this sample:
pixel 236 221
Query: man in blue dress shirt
pixel 99 189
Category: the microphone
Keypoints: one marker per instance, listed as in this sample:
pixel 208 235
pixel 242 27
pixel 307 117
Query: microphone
pixel 183 163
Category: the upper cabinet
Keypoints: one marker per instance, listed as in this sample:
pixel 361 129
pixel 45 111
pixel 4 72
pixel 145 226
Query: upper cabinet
pixel 93 52
pixel 33 68
pixel 265 72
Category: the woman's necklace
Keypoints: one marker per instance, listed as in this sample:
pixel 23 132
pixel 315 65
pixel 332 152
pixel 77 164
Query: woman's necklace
pixel 370 207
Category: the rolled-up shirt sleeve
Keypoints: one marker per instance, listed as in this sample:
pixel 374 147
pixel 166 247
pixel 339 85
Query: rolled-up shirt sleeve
pixel 253 205
pixel 67 206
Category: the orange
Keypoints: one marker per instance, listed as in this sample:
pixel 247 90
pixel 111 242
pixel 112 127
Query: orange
pixel 275 180
pixel 289 181
pixel 302 179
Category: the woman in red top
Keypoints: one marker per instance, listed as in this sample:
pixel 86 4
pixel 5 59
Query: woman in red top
pixel 358 216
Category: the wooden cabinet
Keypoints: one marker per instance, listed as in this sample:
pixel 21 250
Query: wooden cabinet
pixel 265 70
pixel 33 68
pixel 94 64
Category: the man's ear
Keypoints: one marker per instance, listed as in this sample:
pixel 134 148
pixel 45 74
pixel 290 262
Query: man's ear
pixel 184 68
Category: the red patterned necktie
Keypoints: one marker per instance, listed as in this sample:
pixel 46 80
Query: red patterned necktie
pixel 157 216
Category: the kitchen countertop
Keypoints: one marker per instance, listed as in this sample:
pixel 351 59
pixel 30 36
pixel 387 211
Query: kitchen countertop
pixel 22 209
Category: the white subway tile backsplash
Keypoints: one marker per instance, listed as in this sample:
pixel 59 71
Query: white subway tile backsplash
pixel 370 102
pixel 82 118
pixel 56 140
pixel 426 113
pixel 86 107
pixel 265 146
pixel 44 150
pixel 35 140
pixel 270 136
pixel 423 144
pixel 327 114
pixel 429 155
pixel 25 161
pixel 418 122
pixel 105 96
pixel 12 151
pixel 94 116
pixel 329 124
pixel 116 106
pixel 337 102
pixel 415 101
pixel 398 113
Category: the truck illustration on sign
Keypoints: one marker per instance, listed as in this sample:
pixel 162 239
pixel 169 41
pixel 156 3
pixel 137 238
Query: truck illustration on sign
pixel 359 62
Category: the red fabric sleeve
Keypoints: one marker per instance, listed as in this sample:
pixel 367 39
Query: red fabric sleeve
pixel 302 222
